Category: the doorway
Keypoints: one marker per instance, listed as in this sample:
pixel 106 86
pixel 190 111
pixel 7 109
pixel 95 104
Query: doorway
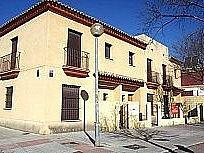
pixel 201 112
pixel 124 120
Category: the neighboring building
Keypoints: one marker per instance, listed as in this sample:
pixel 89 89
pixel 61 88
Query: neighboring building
pixel 193 95
pixel 47 59
pixel 163 84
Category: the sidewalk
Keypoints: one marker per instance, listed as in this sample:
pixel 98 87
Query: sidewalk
pixel 160 139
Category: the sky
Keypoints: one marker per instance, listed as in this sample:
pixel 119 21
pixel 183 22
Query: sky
pixel 123 14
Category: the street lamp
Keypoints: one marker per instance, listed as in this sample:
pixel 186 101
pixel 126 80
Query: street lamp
pixel 96 30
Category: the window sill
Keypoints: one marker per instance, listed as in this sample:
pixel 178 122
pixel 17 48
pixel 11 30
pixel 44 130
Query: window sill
pixel 71 121
pixel 109 58
pixel 7 109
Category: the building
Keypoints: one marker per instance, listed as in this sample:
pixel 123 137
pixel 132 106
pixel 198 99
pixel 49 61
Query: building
pixel 47 59
pixel 193 95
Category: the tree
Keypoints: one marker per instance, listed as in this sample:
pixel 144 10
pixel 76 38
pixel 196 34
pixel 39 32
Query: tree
pixel 160 13
pixel 191 49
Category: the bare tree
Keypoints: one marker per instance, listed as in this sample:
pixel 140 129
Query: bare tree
pixel 160 13
pixel 191 49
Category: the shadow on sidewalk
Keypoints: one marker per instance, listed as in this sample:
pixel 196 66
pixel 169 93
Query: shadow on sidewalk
pixel 147 136
pixel 90 138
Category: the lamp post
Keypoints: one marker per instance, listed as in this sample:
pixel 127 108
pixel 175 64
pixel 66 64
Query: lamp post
pixel 96 30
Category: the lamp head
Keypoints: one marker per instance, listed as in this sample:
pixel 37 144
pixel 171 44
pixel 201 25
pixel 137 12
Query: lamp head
pixel 97 30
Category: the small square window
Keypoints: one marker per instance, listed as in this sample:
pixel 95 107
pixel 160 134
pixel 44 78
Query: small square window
pixel 105 96
pixel 51 73
pixel 130 97
pixel 149 97
pixel 107 50
pixel 123 98
pixel 131 59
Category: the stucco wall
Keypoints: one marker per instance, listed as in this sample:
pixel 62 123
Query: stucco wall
pixel 28 92
pixel 37 100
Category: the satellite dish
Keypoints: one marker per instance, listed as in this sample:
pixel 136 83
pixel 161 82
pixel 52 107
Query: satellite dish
pixel 84 95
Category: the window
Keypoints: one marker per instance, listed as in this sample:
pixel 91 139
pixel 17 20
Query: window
pixel 70 102
pixel 130 97
pixel 123 98
pixel 149 97
pixel 51 73
pixel 131 54
pixel 74 48
pixel 105 96
pixel 9 93
pixel 107 50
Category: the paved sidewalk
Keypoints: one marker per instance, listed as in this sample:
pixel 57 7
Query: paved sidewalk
pixel 160 139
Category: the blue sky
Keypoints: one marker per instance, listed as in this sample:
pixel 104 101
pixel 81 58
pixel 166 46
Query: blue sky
pixel 124 15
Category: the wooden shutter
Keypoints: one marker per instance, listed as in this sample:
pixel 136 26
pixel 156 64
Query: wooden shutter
pixel 13 53
pixel 70 102
pixel 149 70
pixel 164 74
pixel 107 50
pixel 74 49
pixel 166 105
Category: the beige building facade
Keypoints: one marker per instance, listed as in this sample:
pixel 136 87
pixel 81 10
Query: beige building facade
pixel 47 59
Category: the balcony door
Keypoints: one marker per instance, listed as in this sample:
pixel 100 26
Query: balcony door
pixel 74 49
pixel 14 52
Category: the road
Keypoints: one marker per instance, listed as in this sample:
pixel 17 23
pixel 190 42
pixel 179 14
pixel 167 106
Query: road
pixel 177 139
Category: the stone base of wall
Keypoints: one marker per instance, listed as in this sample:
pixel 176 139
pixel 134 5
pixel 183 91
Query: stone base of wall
pixel 193 120
pixel 44 128
pixel 171 122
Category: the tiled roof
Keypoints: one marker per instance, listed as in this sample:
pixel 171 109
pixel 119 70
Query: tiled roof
pixel 119 76
pixel 68 12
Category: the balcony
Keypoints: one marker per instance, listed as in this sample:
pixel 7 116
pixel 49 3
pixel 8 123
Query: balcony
pixel 167 83
pixel 9 66
pixel 76 63
pixel 152 80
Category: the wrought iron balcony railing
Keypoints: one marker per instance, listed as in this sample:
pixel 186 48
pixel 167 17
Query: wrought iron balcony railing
pixel 168 80
pixel 153 77
pixel 9 62
pixel 76 58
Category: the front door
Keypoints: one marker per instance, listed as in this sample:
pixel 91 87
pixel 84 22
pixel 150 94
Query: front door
pixel 166 106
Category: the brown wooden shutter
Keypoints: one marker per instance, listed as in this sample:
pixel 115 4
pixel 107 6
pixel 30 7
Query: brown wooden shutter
pixel 13 53
pixel 107 50
pixel 164 74
pixel 149 70
pixel 74 49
